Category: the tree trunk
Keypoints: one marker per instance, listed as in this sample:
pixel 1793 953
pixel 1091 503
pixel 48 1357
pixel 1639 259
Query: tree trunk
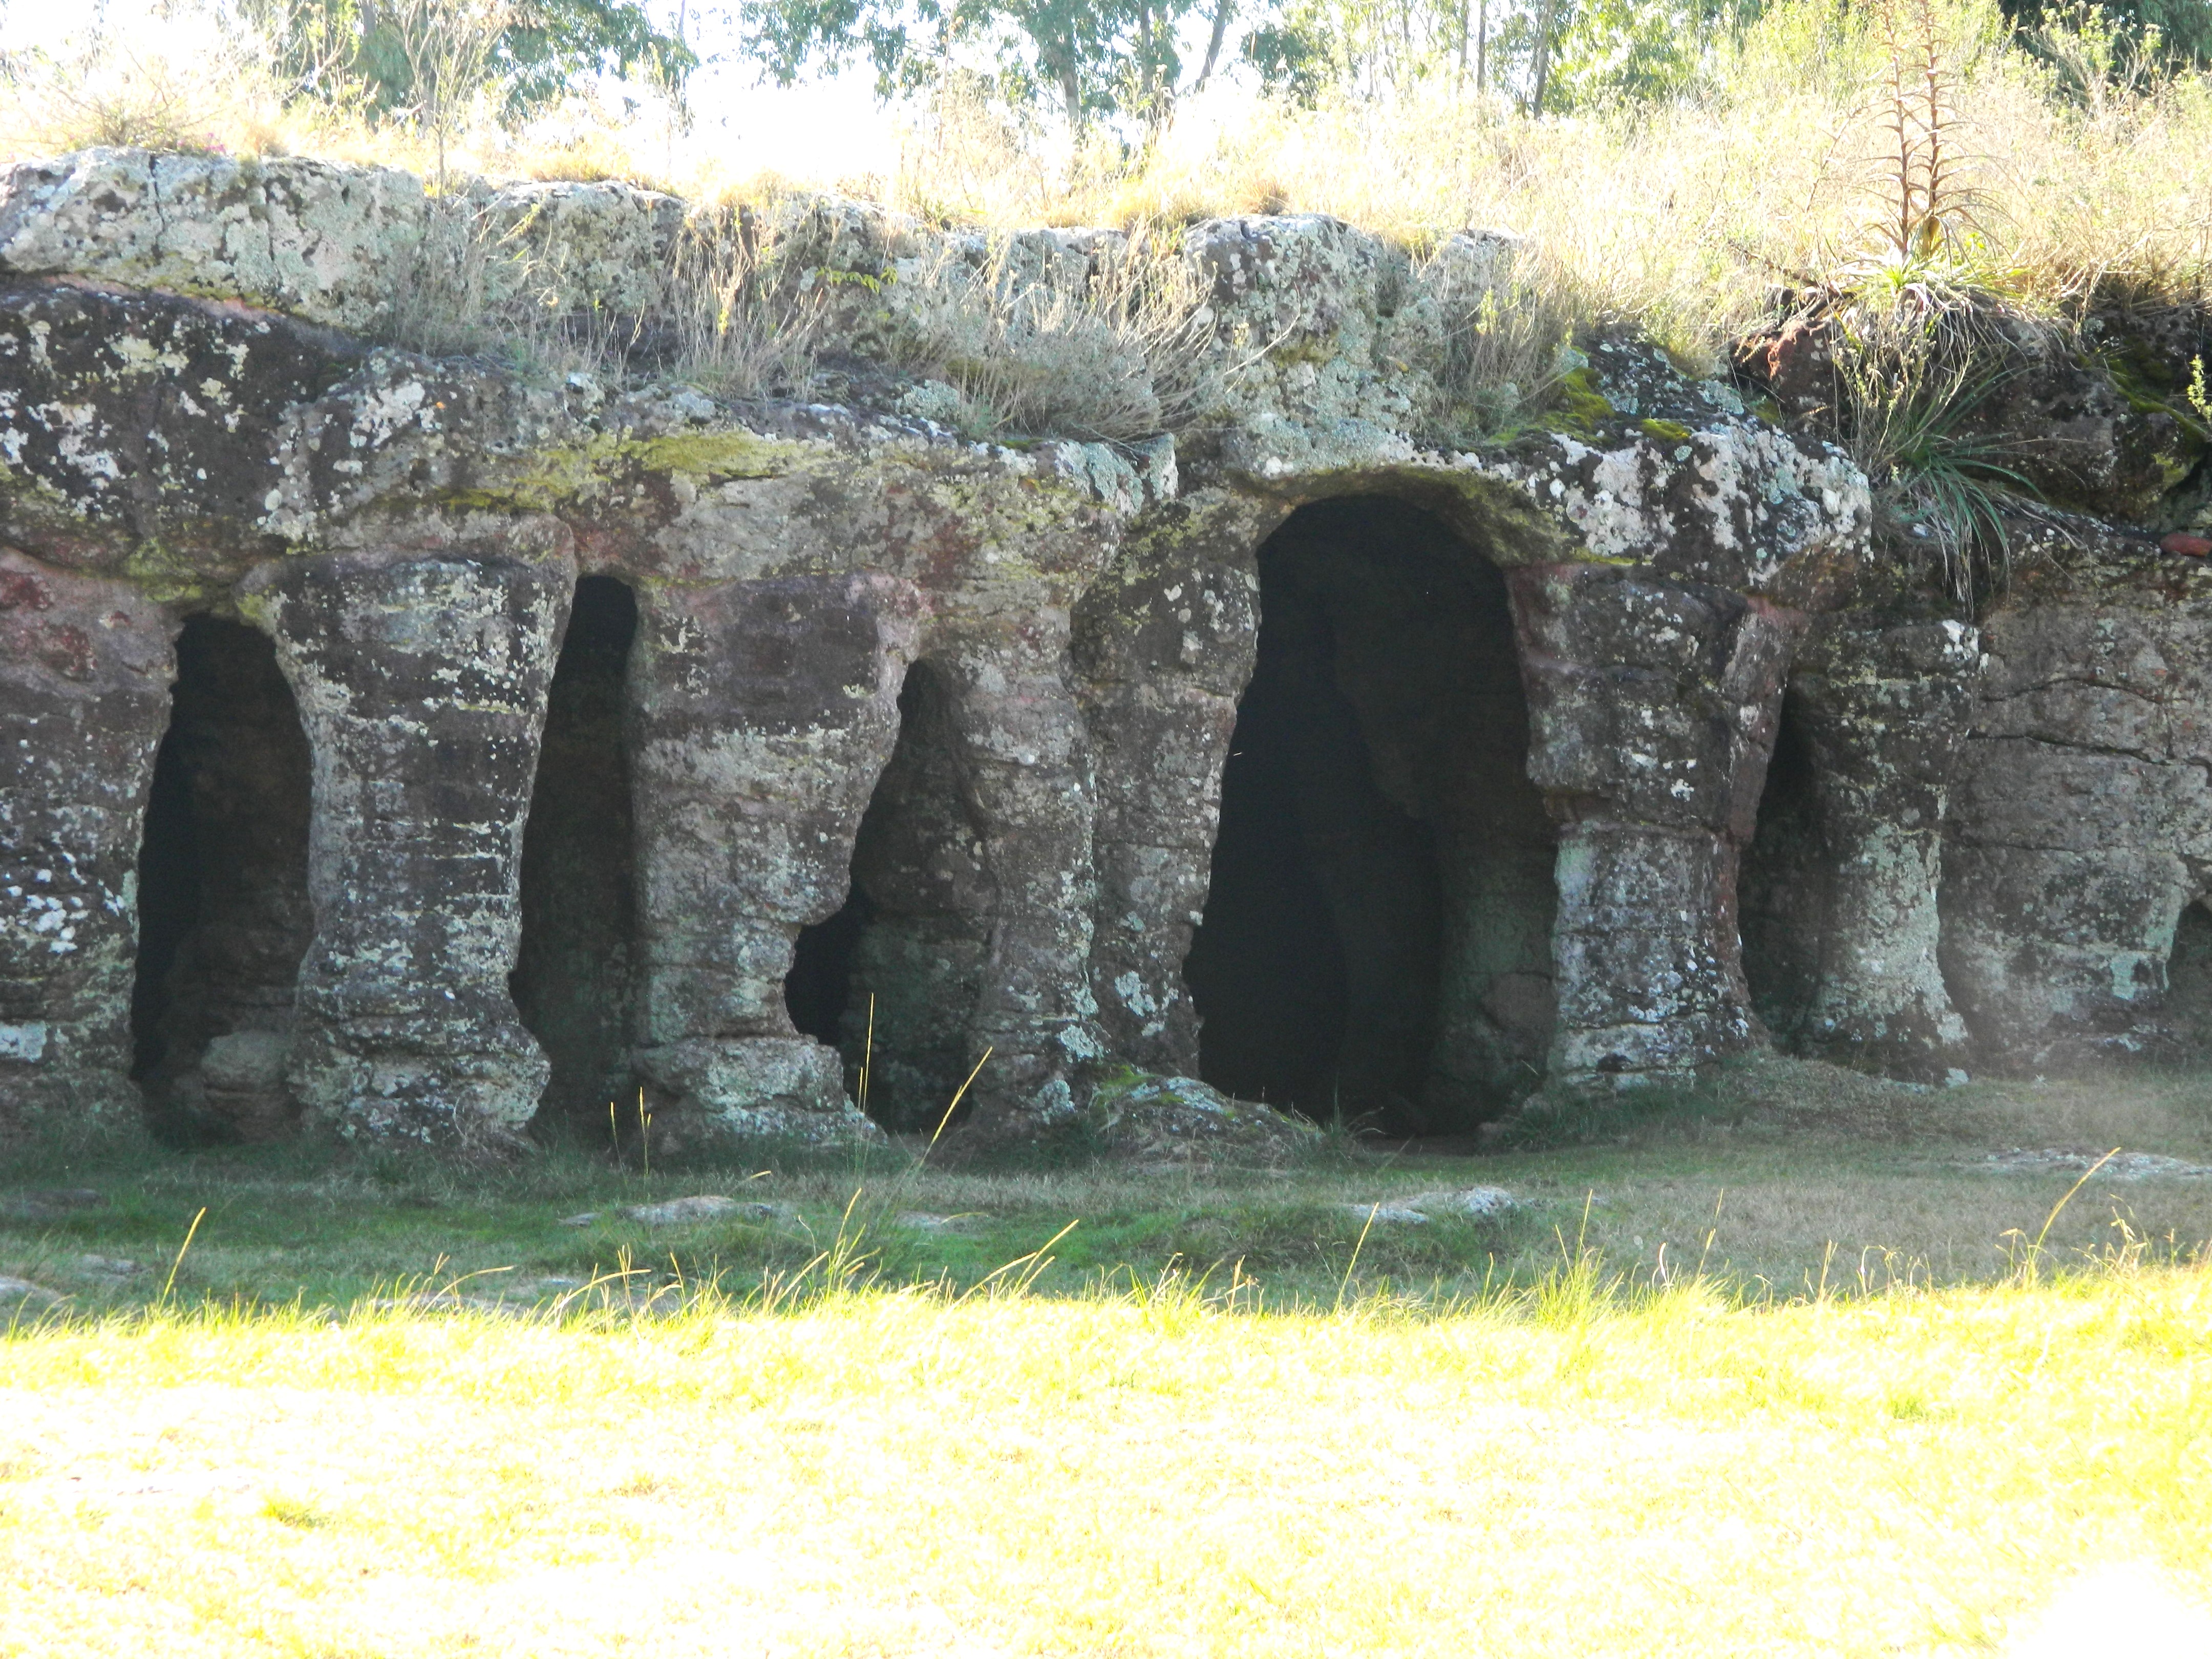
pixel 1213 43
pixel 1543 59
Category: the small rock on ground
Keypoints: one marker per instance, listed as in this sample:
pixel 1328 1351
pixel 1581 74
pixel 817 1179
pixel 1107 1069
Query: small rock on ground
pixel 1383 1213
pixel 678 1211
pixel 2125 1166
pixel 19 1293
pixel 1477 1202
pixel 1469 1200
pixel 55 1204
pixel 922 1222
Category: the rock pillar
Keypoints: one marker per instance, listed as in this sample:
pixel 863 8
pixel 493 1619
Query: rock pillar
pixel 1883 710
pixel 761 713
pixel 2081 823
pixel 1026 765
pixel 1652 708
pixel 84 692
pixel 1164 645
pixel 422 678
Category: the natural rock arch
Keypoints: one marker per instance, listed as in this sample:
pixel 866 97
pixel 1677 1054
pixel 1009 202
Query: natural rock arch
pixel 1377 938
pixel 892 980
pixel 573 973
pixel 224 916
pixel 1785 890
pixel 2188 1007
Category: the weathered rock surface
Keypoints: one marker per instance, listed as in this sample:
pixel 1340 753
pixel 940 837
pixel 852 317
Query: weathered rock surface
pixel 1179 1120
pixel 920 745
pixel 1841 931
pixel 2082 827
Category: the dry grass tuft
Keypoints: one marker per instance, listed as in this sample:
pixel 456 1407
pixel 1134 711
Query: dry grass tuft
pixel 2061 175
pixel 1103 337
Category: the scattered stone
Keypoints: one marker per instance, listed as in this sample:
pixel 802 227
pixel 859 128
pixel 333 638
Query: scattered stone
pixel 922 1222
pixel 1179 1120
pixel 107 1267
pixel 1381 1213
pixel 2125 1166
pixel 1478 1202
pixel 684 1211
pixel 17 1295
pixel 57 1204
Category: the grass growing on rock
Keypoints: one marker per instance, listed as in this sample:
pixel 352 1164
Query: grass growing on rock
pixel 1681 217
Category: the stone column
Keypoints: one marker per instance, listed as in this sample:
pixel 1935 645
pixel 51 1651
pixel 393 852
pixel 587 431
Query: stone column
pixel 1885 711
pixel 85 666
pixel 422 674
pixel 1026 761
pixel 1163 646
pixel 761 713
pixel 1652 709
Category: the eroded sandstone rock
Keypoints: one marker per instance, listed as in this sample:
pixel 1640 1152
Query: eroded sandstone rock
pixel 944 725
pixel 2080 828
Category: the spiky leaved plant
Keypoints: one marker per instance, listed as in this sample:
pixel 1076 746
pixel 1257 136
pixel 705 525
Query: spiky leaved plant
pixel 1924 327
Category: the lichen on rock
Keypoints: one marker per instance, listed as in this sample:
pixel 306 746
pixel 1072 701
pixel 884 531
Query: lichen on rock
pixel 945 722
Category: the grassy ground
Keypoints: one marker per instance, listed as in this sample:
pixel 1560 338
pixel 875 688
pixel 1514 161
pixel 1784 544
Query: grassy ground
pixel 1519 1436
pixel 1776 1178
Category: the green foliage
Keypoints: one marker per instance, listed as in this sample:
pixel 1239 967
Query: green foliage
pixel 1092 57
pixel 537 50
pixel 1941 480
pixel 2123 39
pixel 1568 55
pixel 1625 52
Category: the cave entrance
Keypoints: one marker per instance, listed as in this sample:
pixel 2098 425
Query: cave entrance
pixel 1782 890
pixel 2187 1010
pixel 1377 940
pixel 572 978
pixel 910 944
pixel 223 911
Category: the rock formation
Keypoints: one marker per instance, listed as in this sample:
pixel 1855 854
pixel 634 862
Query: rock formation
pixel 421 748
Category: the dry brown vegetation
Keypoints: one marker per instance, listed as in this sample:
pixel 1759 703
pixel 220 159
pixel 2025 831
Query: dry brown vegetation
pixel 1685 217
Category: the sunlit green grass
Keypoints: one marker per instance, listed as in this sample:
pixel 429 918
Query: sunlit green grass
pixel 1577 1466
pixel 1787 1369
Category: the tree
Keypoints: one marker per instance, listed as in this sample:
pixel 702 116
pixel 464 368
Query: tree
pixel 1092 57
pixel 2128 35
pixel 535 51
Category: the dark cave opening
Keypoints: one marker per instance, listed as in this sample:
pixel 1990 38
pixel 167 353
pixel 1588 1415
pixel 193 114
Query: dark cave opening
pixel 1782 889
pixel 572 978
pixel 1377 941
pixel 223 913
pixel 890 979
pixel 2186 1013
